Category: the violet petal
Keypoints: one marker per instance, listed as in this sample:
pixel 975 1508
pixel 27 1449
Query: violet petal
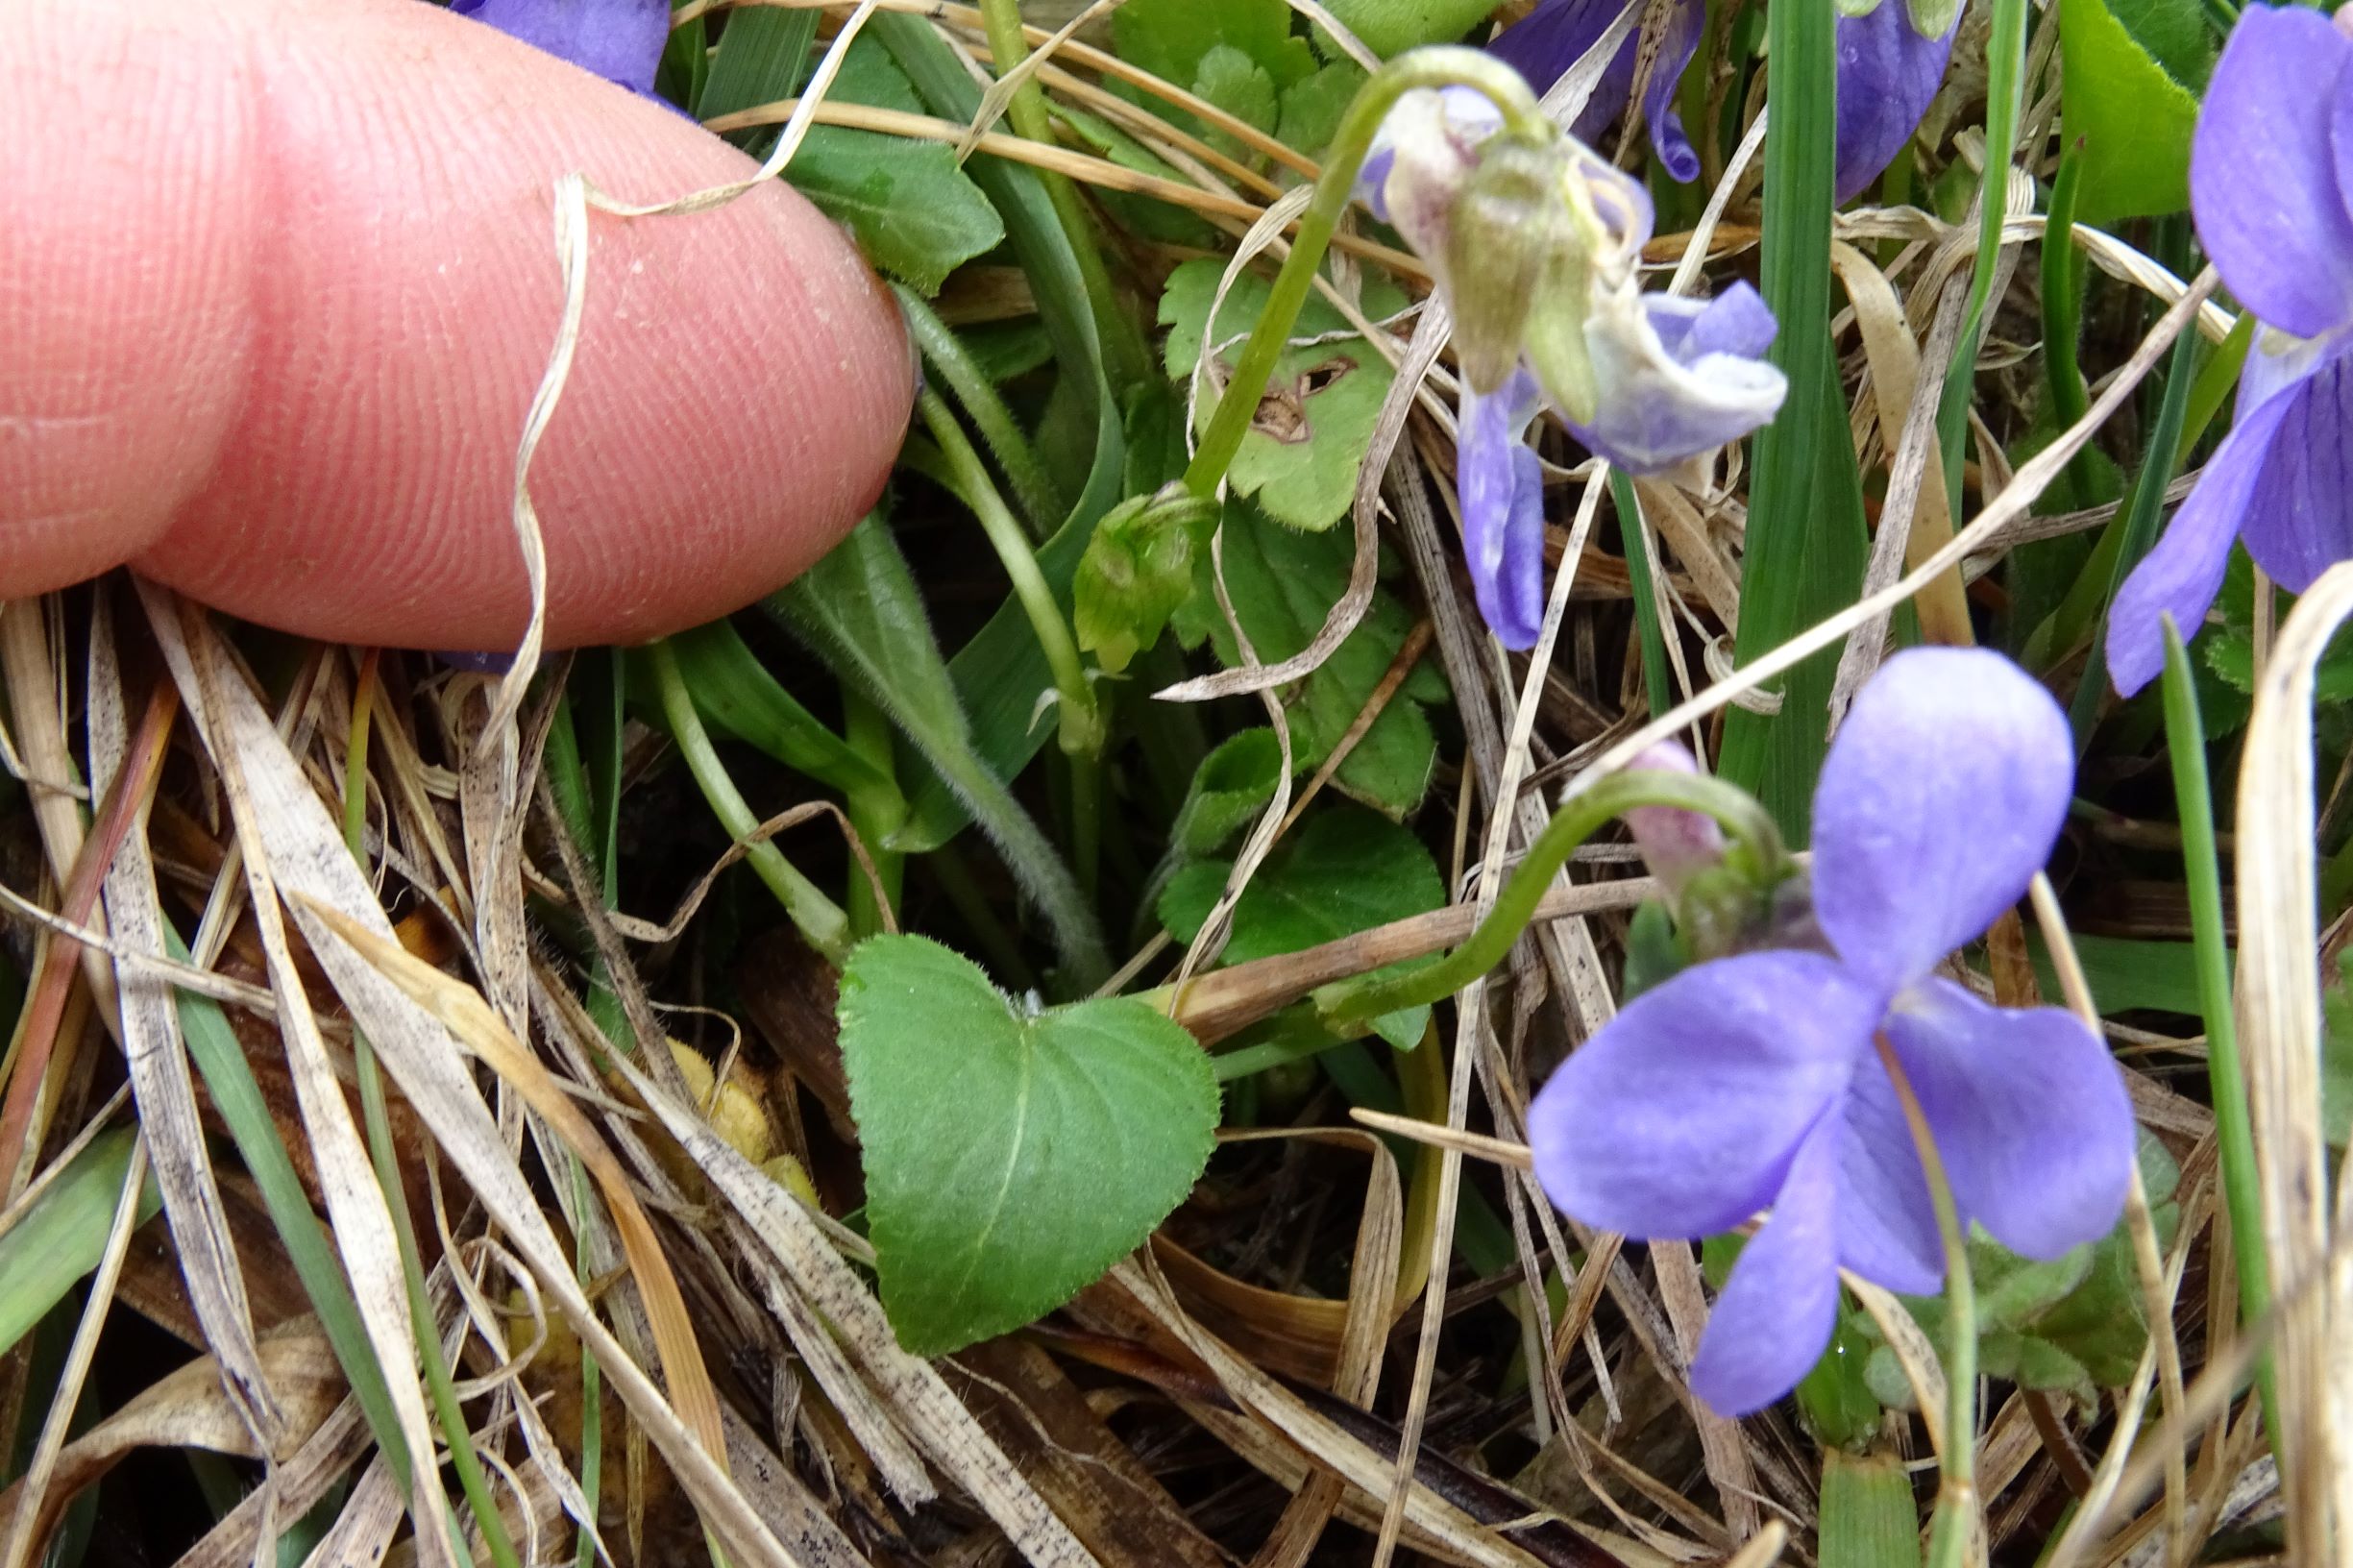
pixel 1887 77
pixel 2183 573
pixel 1660 404
pixel 1886 1224
pixel 1681 1117
pixel 619 40
pixel 2263 184
pixel 1941 798
pixel 1678 39
pixel 2028 1114
pixel 1501 487
pixel 1774 1319
pixel 1542 45
pixel 2300 520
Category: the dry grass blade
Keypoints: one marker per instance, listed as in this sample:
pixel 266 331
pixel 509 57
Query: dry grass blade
pixel 157 1061
pixel 2279 1033
pixel 238 732
pixel 926 1410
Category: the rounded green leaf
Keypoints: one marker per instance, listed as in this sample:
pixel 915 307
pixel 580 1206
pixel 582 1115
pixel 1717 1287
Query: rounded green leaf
pixel 1012 1156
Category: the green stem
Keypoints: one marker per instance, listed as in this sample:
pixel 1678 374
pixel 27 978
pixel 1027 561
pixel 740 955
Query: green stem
pixel 1755 850
pixel 1131 355
pixel 1956 1499
pixel 959 467
pixel 2234 1128
pixel 876 814
pixel 1433 67
pixel 2063 314
pixel 820 919
pixel 2005 55
pixel 953 363
pixel 1654 672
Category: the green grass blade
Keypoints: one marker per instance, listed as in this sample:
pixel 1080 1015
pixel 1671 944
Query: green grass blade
pixel 2234 1128
pixel 62 1234
pixel 1869 1519
pixel 1806 546
pixel 1656 680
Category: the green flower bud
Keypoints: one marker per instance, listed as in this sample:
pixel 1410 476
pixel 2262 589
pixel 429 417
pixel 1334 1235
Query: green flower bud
pixel 1501 254
pixel 1138 569
pixel 1930 18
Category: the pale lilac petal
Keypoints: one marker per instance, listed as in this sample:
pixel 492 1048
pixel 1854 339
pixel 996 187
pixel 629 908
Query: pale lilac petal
pixel 1422 152
pixel 1665 393
pixel 1886 1225
pixel 1736 322
pixel 2028 1114
pixel 1502 491
pixel 1941 798
pixel 621 40
pixel 1548 39
pixel 2183 573
pixel 1676 844
pixel 2264 186
pixel 2300 522
pixel 1774 1319
pixel 1887 76
pixel 1681 1117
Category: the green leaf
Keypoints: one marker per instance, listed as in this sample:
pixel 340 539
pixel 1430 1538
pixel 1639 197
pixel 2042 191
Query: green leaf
pixel 1312 107
pixel 858 608
pixel 1229 788
pixel 1869 1518
pixel 1172 37
pixel 762 57
pixel 2337 1054
pixel 60 1237
pixel 735 694
pixel 1011 1156
pixel 1836 1395
pixel 1283 584
pixel 1240 86
pixel 1299 461
pixel 2132 115
pixel 1389 27
pixel 915 213
pixel 2127 975
pixel 1346 870
pixel 1138 569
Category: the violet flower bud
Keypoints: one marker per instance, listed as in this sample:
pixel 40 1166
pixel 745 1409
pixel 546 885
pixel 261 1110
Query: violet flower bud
pixel 1675 844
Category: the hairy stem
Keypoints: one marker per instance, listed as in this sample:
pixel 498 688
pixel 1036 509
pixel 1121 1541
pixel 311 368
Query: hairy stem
pixel 1435 67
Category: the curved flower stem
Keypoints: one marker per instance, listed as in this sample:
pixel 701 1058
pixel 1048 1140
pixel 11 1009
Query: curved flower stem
pixel 1956 1499
pixel 959 467
pixel 944 353
pixel 820 920
pixel 1345 1005
pixel 1431 67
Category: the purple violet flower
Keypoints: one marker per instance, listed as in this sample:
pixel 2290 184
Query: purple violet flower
pixel 1888 73
pixel 1549 307
pixel 1756 1080
pixel 619 40
pixel 2271 189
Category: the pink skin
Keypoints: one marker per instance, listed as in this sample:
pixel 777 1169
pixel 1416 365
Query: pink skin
pixel 277 283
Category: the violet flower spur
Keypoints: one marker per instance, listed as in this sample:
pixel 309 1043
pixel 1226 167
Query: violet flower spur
pixel 1888 73
pixel 619 40
pixel 2271 189
pixel 1756 1081
pixel 1536 247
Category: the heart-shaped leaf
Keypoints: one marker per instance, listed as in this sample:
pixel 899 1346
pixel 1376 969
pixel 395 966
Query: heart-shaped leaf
pixel 1012 1156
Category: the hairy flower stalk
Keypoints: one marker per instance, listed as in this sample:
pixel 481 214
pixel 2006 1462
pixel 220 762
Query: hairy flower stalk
pixel 1754 1081
pixel 2272 193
